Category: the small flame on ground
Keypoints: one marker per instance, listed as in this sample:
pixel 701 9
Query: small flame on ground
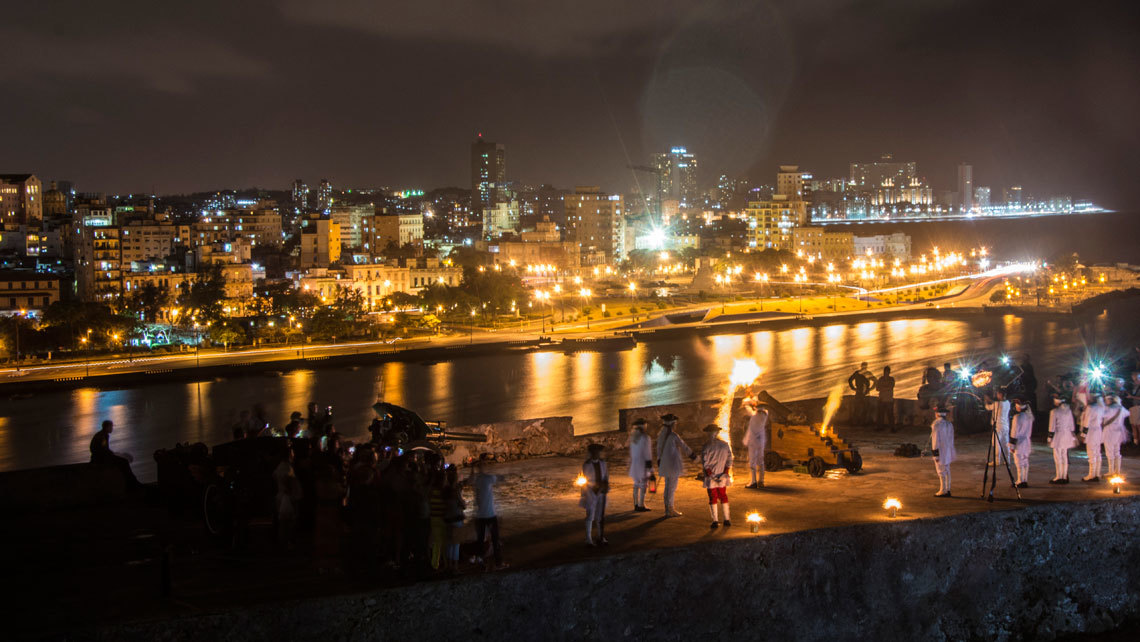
pixel 745 372
pixel 581 481
pixel 834 398
pixel 892 503
pixel 754 517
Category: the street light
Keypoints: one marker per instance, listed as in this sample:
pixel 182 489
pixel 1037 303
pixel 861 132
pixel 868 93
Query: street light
pixel 585 294
pixel 86 341
pixel 16 320
pixel 472 335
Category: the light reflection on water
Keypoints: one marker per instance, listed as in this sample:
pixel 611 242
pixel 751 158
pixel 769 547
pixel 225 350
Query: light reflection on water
pixel 55 427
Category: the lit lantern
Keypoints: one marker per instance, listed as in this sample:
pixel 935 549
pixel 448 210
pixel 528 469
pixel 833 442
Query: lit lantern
pixel 892 506
pixel 1117 481
pixel 754 519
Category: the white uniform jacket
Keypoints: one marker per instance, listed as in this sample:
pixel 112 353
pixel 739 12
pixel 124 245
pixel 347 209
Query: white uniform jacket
pixel 1114 430
pixel 669 449
pixel 1062 428
pixel 1021 430
pixel 1091 421
pixel 756 438
pixel 595 487
pixel 716 459
pixel 640 452
pixel 942 440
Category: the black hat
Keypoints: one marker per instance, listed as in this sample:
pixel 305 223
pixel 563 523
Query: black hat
pixel 295 415
pixel 594 448
pixel 640 421
pixel 712 428
pixel 941 409
pixel 669 417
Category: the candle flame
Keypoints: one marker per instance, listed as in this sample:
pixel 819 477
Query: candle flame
pixel 581 481
pixel 892 503
pixel 754 517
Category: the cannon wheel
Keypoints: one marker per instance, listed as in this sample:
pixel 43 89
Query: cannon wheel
pixel 773 461
pixel 853 462
pixel 816 467
pixel 214 510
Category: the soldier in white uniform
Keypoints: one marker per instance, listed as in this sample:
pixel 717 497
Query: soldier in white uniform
pixel 999 419
pixel 716 461
pixel 640 462
pixel 942 448
pixel 1020 440
pixel 1113 432
pixel 1062 437
pixel 593 499
pixel 670 446
pixel 756 440
pixel 1091 431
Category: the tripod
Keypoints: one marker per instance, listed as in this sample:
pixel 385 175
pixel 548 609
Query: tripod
pixel 991 455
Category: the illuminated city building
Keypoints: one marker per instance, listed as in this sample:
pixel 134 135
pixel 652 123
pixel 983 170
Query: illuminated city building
pixel 965 187
pixel 873 174
pixel 324 196
pixel 300 195
pixel 595 221
pixel 488 174
pixel 320 242
pixel 676 172
pixel 21 200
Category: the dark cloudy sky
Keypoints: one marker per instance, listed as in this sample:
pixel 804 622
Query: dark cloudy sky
pixel 135 95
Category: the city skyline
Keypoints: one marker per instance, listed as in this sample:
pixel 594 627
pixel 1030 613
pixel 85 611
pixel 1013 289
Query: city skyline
pixel 365 101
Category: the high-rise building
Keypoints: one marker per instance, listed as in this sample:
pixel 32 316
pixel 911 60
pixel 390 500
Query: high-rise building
pixel 324 196
pixel 98 263
pixel 320 242
pixel 21 200
pixel 771 222
pixel 676 172
pixel 488 174
pixel 350 218
pixel 500 218
pixel 1013 197
pixel 790 182
pixel 595 221
pixel 300 195
pixel 982 197
pixel 873 175
pixel 381 230
pixel 965 187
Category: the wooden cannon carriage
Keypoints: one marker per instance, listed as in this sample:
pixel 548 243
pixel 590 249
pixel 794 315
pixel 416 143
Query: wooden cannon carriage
pixel 794 441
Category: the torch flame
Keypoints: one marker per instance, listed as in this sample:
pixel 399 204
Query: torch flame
pixel 581 481
pixel 892 503
pixel 834 398
pixel 754 517
pixel 1116 480
pixel 745 372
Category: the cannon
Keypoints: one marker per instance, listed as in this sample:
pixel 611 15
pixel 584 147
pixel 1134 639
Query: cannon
pixel 397 427
pixel 792 440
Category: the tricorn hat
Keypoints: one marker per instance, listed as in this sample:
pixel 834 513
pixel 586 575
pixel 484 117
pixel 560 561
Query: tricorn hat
pixel 595 448
pixel 941 409
pixel 712 428
pixel 640 421
pixel 669 417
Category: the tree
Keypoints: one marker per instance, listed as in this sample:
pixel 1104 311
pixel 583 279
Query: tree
pixel 226 332
pixel 147 301
pixel 205 294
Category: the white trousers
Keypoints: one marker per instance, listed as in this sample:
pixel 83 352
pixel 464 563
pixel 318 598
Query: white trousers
pixel 943 471
pixel 1112 455
pixel 1061 463
pixel 639 494
pixel 670 492
pixel 1003 445
pixel 1092 449
pixel 1021 459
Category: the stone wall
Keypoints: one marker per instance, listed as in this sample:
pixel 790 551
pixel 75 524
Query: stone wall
pixel 1021 574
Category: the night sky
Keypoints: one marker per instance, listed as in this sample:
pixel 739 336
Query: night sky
pixel 135 96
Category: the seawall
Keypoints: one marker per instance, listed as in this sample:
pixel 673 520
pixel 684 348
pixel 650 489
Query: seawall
pixel 1021 574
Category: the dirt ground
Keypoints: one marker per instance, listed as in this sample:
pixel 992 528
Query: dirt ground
pixel 104 564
